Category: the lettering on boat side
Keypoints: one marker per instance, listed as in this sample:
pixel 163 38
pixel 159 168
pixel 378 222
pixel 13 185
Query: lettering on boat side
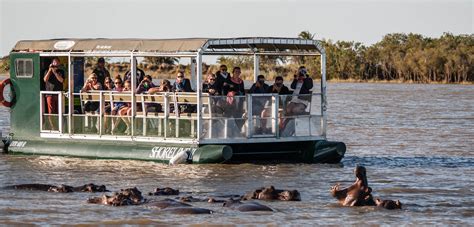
pixel 167 153
pixel 18 144
pixel 103 47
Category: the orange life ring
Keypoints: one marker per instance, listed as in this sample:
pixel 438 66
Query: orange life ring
pixel 7 96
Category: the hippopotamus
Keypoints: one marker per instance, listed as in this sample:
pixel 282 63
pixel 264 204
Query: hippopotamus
pixel 61 188
pixel 188 210
pixel 91 188
pixel 358 194
pixel 270 193
pixel 129 196
pixel 177 207
pixel 388 204
pixel 246 207
pixel 194 199
pixel 164 191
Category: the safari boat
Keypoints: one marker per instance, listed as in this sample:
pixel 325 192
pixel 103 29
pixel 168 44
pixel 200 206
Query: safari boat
pixel 202 136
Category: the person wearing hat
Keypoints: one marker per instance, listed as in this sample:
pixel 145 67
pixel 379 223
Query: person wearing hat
pixel 100 71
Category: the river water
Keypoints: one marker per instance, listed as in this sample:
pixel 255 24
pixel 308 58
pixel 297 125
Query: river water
pixel 416 141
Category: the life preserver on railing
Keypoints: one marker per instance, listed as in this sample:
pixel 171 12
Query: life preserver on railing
pixel 7 96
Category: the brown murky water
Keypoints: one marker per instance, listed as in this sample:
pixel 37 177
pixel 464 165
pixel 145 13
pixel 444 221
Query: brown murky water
pixel 417 142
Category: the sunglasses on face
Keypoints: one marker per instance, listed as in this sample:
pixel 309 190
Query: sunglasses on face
pixel 117 83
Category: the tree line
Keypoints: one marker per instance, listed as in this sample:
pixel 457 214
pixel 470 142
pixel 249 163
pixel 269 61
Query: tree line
pixel 401 57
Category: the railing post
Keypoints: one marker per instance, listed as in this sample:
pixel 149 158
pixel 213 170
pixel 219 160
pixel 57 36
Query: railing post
pixel 256 66
pixel 60 111
pixel 249 116
pixel 274 113
pixel 323 94
pixel 41 110
pixel 70 121
pixel 277 119
pixel 101 112
pixel 198 93
pixel 133 77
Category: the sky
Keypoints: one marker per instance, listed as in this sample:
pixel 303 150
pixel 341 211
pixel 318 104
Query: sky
pixel 365 21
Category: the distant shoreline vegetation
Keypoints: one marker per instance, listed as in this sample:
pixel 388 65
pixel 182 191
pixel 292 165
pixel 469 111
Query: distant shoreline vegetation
pixel 397 58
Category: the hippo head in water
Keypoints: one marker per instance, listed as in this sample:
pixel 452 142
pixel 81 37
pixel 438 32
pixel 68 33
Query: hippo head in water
pixel 289 195
pixel 270 193
pixel 358 194
pixel 165 191
pixel 129 196
pixel 61 188
pixel 361 175
pixel 388 204
pixel 92 188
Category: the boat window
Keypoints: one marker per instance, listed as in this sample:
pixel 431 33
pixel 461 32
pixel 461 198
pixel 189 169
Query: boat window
pixel 24 67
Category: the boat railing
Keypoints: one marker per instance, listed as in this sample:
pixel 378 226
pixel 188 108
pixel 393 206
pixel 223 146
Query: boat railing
pixel 175 116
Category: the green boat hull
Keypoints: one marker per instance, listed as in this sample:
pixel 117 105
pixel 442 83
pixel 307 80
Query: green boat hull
pixel 305 152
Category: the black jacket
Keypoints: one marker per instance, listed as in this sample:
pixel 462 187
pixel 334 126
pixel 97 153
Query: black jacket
pixel 307 85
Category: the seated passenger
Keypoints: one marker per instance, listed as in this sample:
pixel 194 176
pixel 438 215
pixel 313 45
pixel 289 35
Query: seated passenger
pixel 122 108
pixel 111 85
pixel 300 101
pixel 165 86
pixel 281 89
pixel 182 84
pixel 145 85
pixel 260 86
pixel 91 85
pixel 108 84
pixel 228 107
pixel 210 86
pixel 302 85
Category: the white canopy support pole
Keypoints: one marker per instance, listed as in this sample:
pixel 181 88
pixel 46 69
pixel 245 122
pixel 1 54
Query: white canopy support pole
pixel 133 77
pixel 323 95
pixel 256 66
pixel 193 73
pixel 198 93
pixel 70 123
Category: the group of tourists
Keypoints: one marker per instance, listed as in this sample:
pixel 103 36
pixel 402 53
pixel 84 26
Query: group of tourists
pixel 220 84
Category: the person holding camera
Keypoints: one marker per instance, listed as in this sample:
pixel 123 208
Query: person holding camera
pixel 145 85
pixel 53 79
pixel 92 84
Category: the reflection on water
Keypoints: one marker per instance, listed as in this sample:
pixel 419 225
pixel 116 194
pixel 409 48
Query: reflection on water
pixel 415 140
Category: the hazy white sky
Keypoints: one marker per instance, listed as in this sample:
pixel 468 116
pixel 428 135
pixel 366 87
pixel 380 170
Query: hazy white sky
pixel 365 21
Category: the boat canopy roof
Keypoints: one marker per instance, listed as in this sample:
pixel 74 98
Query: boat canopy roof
pixel 188 45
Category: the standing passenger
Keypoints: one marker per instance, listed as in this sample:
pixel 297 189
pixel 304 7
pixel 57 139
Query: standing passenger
pixel 100 71
pixel 222 80
pixel 53 79
pixel 237 84
pixel 140 74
